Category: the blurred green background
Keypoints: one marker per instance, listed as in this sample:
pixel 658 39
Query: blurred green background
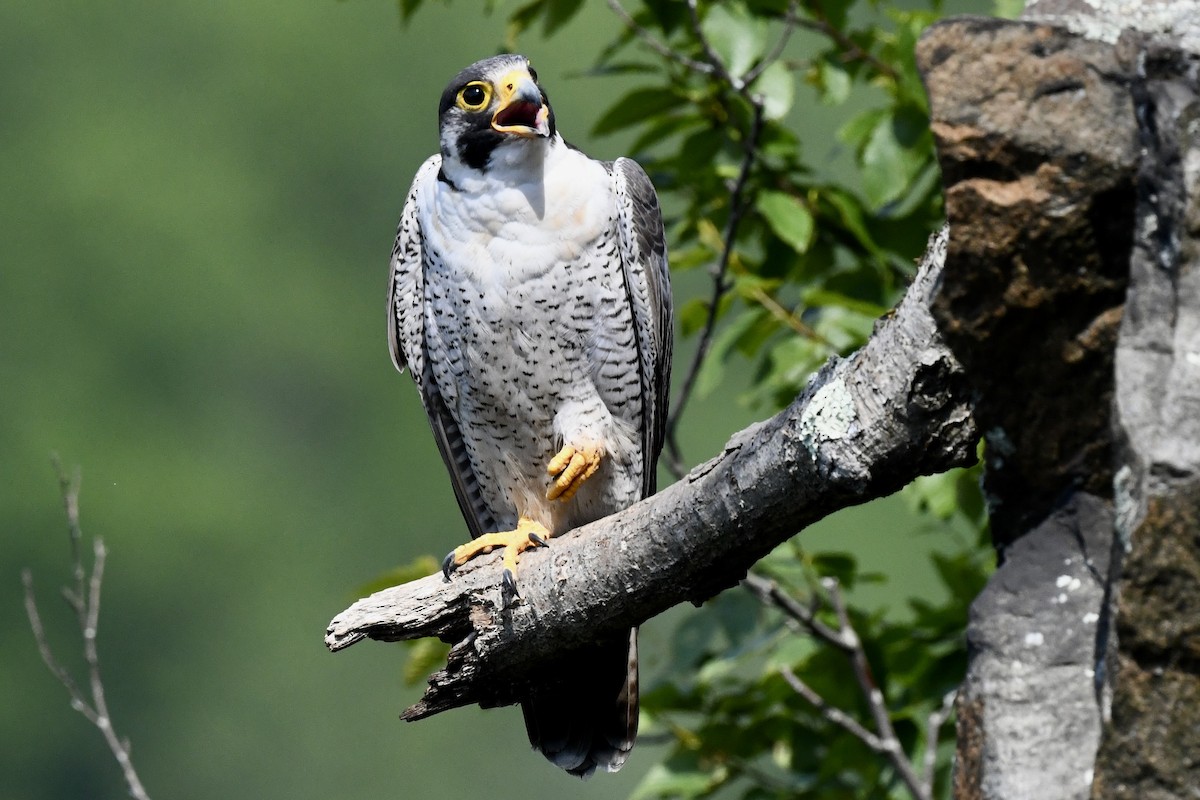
pixel 198 202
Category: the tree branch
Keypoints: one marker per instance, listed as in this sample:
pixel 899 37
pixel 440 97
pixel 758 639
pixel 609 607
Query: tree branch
pixel 84 600
pixel 656 44
pixel 884 741
pixel 863 428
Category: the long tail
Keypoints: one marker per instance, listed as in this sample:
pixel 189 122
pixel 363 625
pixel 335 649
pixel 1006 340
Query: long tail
pixel 590 718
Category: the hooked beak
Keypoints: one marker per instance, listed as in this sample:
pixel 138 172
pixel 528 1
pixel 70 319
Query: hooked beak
pixel 521 110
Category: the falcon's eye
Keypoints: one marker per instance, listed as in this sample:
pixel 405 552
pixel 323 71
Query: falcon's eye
pixel 474 96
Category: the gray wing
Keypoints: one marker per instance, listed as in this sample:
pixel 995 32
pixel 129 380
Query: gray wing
pixel 648 282
pixel 406 341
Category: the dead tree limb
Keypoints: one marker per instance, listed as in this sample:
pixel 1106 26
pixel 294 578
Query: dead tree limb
pixel 84 599
pixel 863 428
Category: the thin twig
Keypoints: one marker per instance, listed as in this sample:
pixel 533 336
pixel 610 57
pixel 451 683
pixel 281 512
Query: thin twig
pixel 875 699
pixel 937 718
pixel 656 44
pixel 737 209
pixel 710 54
pixel 780 313
pixel 84 600
pixel 884 740
pixel 789 26
pixel 850 49
pixel 833 713
pixel 769 592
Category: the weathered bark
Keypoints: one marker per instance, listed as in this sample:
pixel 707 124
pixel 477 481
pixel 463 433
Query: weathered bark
pixel 1065 159
pixel 863 428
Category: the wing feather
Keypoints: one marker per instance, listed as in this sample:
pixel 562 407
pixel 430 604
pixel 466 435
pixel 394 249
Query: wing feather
pixel 406 341
pixel 648 282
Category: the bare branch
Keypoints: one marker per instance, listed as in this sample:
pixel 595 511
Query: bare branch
pixel 933 726
pixel 655 44
pixel 84 600
pixel 714 58
pixel 876 702
pixel 58 670
pixel 845 638
pixel 863 428
pixel 834 714
pixel 769 592
pixel 789 27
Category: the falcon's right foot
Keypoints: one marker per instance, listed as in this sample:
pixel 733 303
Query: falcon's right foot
pixel 527 534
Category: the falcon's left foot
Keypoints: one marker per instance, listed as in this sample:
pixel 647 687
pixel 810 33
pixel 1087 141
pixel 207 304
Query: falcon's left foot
pixel 571 467
pixel 527 534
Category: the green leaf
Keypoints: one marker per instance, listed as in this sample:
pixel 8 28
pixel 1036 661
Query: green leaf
pixel 833 82
pixel 842 566
pixel 692 315
pixel 424 656
pixel 408 8
pixel 823 298
pixel 713 368
pixel 850 214
pixel 521 19
pixel 788 217
pixel 893 155
pixel 419 567
pixel 737 37
pixel 936 494
pixel 858 128
pixel 777 88
pixel 680 776
pixel 637 106
pixel 559 13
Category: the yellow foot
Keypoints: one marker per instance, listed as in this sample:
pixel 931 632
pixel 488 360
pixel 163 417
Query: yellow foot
pixel 527 534
pixel 571 467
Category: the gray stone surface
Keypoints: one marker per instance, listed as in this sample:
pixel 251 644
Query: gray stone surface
pixel 1034 636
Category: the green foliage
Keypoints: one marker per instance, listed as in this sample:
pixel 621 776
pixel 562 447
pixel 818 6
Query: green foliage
pixel 803 237
pixel 734 721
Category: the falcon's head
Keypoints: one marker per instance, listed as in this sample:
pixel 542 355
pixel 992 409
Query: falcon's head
pixel 493 103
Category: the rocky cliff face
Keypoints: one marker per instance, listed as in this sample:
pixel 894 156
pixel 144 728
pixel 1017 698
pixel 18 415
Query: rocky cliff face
pixel 1071 294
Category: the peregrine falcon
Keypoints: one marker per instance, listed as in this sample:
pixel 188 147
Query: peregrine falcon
pixel 531 302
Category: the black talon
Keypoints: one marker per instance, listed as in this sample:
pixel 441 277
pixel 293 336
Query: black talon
pixel 539 541
pixel 509 583
pixel 448 564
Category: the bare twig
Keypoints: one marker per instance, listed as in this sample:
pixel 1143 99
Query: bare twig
pixel 832 713
pixel 850 49
pixel 769 593
pixel 710 54
pixel 937 718
pixel 884 739
pixel 875 699
pixel 656 44
pixel 84 600
pixel 789 26
pixel 775 309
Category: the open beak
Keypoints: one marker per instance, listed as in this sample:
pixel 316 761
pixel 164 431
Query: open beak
pixel 521 110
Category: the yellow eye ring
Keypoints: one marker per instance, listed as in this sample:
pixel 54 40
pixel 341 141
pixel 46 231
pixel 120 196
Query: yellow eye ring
pixel 474 96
